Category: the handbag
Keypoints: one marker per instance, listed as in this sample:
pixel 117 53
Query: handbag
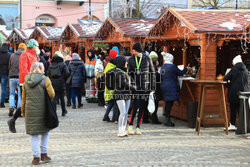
pixel 68 82
pixel 51 119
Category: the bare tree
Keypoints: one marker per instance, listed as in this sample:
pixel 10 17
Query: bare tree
pixel 214 4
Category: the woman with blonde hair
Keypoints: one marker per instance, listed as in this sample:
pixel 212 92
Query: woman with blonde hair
pixel 33 109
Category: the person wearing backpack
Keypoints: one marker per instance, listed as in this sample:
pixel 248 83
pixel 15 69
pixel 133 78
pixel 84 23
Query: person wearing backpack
pixel 58 73
pixel 76 80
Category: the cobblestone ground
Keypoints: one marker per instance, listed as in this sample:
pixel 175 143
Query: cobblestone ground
pixel 83 139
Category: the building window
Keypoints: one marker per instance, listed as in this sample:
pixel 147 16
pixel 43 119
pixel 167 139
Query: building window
pixel 45 20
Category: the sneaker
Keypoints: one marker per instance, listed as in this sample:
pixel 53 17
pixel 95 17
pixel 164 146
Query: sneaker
pixel 169 123
pixel 11 111
pixel 68 104
pixel 116 122
pixel 231 127
pixel 64 113
pixel 80 105
pixel 2 105
pixel 73 106
pixel 138 131
pixel 122 134
pixel 131 130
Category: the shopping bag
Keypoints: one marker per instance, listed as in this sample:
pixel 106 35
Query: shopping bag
pixel 151 103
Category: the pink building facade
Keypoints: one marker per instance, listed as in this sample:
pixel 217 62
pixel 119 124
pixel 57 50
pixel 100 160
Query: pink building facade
pixel 52 13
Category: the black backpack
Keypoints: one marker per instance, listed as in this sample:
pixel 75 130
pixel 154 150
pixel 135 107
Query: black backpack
pixel 55 71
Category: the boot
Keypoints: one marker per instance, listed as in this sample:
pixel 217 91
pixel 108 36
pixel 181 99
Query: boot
pixel 11 111
pixel 73 106
pixel 11 124
pixel 45 157
pixel 64 113
pixel 2 105
pixel 106 118
pixel 80 105
pixel 35 161
pixel 68 103
pixel 169 123
pixel 155 120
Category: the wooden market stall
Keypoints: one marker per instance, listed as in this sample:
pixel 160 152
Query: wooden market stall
pixel 124 32
pixel 48 37
pixel 79 37
pixel 18 36
pixel 202 32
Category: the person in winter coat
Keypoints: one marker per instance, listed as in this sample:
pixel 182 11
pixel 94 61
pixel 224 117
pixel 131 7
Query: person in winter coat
pixel 112 55
pixel 27 58
pixel 4 72
pixel 154 57
pixel 122 92
pixel 99 73
pixel 68 58
pixel 33 109
pixel 43 57
pixel 78 78
pixel 58 73
pixel 109 93
pixel 142 72
pixel 170 84
pixel 14 84
pixel 90 71
pixel 238 82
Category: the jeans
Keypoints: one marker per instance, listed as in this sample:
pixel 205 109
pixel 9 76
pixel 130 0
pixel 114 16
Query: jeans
pixel 4 81
pixel 13 84
pixel 76 92
pixel 43 146
pixel 60 95
pixel 111 104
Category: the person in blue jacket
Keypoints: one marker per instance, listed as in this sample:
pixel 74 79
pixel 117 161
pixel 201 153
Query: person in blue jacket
pixel 170 84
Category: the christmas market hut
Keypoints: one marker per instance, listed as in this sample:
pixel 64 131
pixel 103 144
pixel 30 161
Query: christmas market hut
pixel 215 37
pixel 79 37
pixel 18 36
pixel 48 37
pixel 124 33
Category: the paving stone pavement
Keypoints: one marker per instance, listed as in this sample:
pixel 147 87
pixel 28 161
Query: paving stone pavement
pixel 83 139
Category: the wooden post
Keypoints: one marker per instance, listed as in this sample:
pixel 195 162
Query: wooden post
pixel 184 59
pixel 208 58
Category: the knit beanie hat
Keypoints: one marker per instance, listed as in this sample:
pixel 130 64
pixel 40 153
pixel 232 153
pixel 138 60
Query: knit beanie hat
pixel 113 53
pixel 137 47
pixel 237 59
pixel 167 57
pixel 23 46
pixel 153 55
pixel 58 53
pixel 32 43
pixel 76 56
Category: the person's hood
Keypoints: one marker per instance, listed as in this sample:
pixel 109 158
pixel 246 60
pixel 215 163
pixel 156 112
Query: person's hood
pixel 240 66
pixel 5 48
pixel 120 62
pixel 117 49
pixel 33 79
pixel 109 66
pixel 76 62
pixel 92 54
pixel 19 51
pixel 56 59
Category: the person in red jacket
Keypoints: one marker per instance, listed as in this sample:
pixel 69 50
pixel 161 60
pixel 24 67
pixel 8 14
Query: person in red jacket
pixel 27 59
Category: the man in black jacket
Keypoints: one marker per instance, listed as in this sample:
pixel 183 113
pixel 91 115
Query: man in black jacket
pixel 58 72
pixel 142 72
pixel 4 71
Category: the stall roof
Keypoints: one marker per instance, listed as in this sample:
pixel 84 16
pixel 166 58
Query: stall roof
pixel 50 33
pixel 5 33
pixel 208 20
pixel 83 30
pixel 24 34
pixel 128 27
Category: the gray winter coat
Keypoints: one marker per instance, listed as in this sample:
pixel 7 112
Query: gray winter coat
pixel 14 64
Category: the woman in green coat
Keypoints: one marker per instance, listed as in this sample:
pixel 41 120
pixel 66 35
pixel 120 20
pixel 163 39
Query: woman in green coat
pixel 33 109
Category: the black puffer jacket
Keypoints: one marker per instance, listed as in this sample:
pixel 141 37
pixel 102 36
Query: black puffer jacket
pixel 77 69
pixel 14 63
pixel 59 82
pixel 4 59
pixel 238 77
pixel 121 81
pixel 145 81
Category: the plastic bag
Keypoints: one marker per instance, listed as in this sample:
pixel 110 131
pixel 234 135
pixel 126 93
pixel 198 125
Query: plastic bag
pixel 151 103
